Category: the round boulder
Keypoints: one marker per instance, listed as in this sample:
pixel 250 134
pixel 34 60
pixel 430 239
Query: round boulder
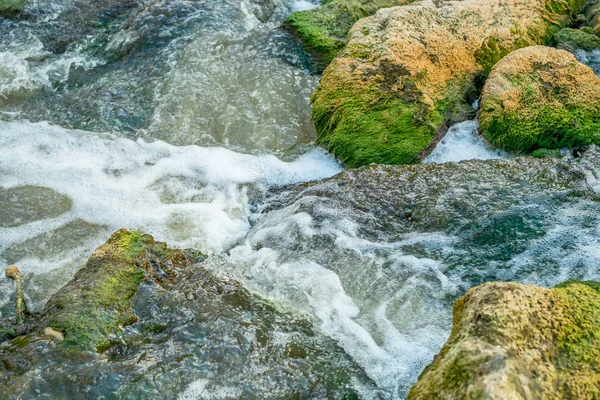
pixel 540 98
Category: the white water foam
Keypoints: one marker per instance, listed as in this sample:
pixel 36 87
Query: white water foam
pixel 25 65
pixel 303 5
pixel 357 303
pixel 462 142
pixel 188 196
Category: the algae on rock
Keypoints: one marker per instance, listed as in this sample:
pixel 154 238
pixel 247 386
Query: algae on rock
pixel 96 303
pixel 572 39
pixel 323 30
pixel 160 319
pixel 515 341
pixel 408 72
pixel 540 97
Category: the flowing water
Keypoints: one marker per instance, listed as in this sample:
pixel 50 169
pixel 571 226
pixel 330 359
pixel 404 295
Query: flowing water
pixel 190 120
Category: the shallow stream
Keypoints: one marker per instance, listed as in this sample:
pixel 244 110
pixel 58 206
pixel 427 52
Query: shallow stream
pixel 190 121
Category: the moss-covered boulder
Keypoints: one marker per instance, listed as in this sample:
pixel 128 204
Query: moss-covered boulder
pixel 514 341
pixel 323 30
pixel 408 72
pixel 96 303
pixel 540 97
pixel 572 39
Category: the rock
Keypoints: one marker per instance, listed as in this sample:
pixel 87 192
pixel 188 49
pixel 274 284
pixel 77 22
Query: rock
pixel 11 8
pixel 592 14
pixel 96 303
pixel 408 72
pixel 54 334
pixel 415 237
pixel 24 204
pixel 262 9
pixel 573 39
pixel 540 97
pixel 514 341
pixel 323 30
pixel 141 320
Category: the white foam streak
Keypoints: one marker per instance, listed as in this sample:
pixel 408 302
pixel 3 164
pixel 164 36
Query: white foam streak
pixel 189 196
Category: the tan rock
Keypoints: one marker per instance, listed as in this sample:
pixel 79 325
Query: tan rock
pixel 540 98
pixel 514 341
pixel 409 71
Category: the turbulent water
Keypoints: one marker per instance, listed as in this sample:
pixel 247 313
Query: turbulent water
pixel 190 120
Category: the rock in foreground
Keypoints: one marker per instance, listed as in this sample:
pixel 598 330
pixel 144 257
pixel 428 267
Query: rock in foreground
pixel 409 72
pixel 540 97
pixel 141 320
pixel 513 341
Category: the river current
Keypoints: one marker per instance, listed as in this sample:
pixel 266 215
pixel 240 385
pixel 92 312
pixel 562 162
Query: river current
pixel 190 121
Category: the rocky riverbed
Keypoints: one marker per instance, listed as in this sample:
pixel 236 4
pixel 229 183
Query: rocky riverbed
pixel 447 246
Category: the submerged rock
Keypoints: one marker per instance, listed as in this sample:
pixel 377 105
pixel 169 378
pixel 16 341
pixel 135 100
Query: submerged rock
pixel 96 303
pixel 25 204
pixel 514 341
pixel 323 30
pixel 540 97
pixel 141 320
pixel 409 71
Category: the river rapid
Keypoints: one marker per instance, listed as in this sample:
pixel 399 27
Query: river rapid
pixel 190 121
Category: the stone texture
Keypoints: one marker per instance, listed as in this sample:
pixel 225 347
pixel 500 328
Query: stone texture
pixel 514 341
pixel 409 71
pixel 540 98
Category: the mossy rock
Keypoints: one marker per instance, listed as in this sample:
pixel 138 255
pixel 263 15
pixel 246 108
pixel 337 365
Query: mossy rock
pixel 407 73
pixel 546 153
pixel 540 98
pixel 11 8
pixel 592 14
pixel 96 303
pixel 513 341
pixel 323 30
pixel 573 39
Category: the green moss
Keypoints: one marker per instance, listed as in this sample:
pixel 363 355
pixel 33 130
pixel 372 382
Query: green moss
pixel 383 116
pixel 323 30
pixel 546 153
pixel 578 339
pixel 572 39
pixel 97 302
pixel 360 125
pixel 540 125
pixel 10 8
pixel 490 52
pixel 365 128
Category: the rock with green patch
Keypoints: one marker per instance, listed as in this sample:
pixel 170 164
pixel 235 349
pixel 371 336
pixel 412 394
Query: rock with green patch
pixel 323 30
pixel 572 39
pixel 96 303
pixel 409 72
pixel 143 321
pixel 514 341
pixel 10 8
pixel 540 97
